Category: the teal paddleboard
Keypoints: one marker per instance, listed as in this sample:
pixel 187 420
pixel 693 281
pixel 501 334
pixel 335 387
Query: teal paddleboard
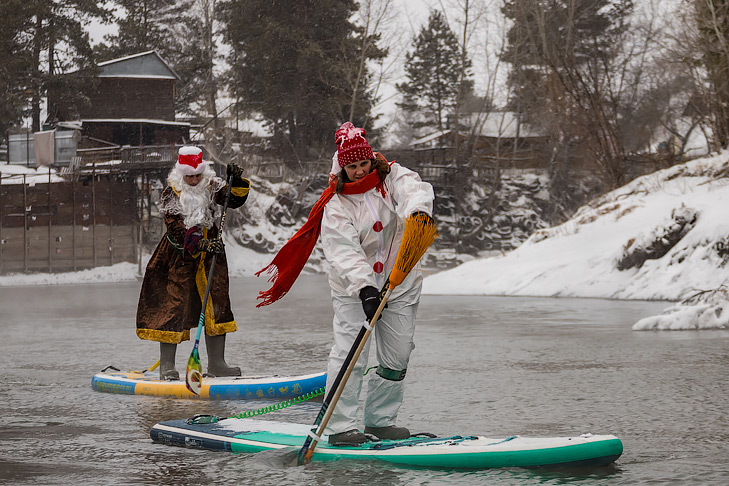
pixel 473 452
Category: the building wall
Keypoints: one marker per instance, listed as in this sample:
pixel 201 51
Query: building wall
pixel 135 134
pixel 115 98
pixel 67 226
pixel 131 98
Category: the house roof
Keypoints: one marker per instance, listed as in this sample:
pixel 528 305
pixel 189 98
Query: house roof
pixel 135 120
pixel 500 124
pixel 495 124
pixel 430 137
pixel 143 65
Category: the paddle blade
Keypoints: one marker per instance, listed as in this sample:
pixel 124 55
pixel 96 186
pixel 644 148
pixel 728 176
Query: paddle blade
pixel 305 454
pixel 301 457
pixel 193 376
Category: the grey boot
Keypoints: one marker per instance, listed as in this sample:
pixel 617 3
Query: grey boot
pixel 351 438
pixel 391 432
pixel 216 357
pixel 167 369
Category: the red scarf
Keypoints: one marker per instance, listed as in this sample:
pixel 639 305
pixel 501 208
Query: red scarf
pixel 290 260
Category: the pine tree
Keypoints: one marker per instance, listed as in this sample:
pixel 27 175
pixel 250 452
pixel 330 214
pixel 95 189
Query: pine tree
pixel 142 26
pixel 291 62
pixel 59 29
pixel 182 33
pixel 433 72
pixel 712 22
pixel 559 35
pixel 59 45
pixel 15 69
pixel 564 56
pixel 194 55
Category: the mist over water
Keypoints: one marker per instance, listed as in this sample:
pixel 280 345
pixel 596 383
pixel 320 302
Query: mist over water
pixel 493 366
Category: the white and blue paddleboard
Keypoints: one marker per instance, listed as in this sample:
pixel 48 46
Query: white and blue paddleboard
pixel 239 387
pixel 473 452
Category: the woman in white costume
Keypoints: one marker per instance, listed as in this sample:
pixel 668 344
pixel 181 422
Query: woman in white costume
pixel 360 218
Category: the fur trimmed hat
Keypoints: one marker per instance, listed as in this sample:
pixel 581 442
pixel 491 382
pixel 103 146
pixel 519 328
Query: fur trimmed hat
pixel 352 144
pixel 190 161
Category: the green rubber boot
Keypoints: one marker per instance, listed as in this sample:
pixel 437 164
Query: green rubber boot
pixel 216 357
pixel 167 369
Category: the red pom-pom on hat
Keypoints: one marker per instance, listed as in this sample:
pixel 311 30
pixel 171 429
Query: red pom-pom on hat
pixel 352 144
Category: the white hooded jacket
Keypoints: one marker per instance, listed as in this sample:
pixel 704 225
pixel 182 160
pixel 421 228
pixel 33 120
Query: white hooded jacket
pixel 353 247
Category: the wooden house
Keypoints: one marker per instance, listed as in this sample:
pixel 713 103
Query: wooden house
pixel 498 139
pixel 131 103
pixel 113 152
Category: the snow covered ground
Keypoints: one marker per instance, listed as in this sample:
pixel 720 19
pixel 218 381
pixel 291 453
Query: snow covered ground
pixel 243 262
pixel 663 236
pixel 680 211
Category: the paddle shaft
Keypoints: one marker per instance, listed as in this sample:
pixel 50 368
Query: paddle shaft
pixel 210 274
pixel 308 449
pixel 343 369
pixel 332 391
pixel 212 263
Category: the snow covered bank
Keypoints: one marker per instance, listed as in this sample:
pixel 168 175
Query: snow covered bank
pixel 243 262
pixel 668 232
pixel 705 310
pixel 121 272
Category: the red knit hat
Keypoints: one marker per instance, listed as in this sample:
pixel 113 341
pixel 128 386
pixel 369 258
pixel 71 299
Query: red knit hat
pixel 190 161
pixel 352 144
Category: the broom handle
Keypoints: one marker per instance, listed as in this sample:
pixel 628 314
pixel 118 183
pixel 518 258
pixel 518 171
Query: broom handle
pixel 308 450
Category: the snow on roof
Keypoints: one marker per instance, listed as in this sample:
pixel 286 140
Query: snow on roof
pixel 71 124
pixel 147 64
pixel 430 137
pixel 500 124
pixel 256 126
pixel 496 124
pixel 20 174
pixel 135 120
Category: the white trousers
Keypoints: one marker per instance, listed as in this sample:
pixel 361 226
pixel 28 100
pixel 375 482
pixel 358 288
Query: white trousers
pixel 393 335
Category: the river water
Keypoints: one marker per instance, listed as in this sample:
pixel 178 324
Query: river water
pixel 493 366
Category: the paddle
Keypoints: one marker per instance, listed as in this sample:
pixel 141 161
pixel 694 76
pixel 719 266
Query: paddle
pixel 193 375
pixel 419 232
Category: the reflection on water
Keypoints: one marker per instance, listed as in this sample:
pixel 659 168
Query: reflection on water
pixel 494 366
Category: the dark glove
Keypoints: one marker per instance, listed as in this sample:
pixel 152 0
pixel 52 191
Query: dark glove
pixel 371 299
pixel 191 241
pixel 235 170
pixel 428 218
pixel 214 246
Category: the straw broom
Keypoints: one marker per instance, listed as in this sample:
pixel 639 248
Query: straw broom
pixel 419 232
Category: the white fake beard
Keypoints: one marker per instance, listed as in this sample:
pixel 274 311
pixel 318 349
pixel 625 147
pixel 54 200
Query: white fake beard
pixel 195 203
